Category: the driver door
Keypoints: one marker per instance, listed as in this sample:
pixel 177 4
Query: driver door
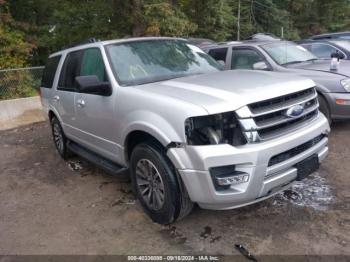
pixel 95 114
pixel 247 58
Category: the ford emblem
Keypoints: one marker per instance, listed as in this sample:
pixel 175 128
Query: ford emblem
pixel 295 111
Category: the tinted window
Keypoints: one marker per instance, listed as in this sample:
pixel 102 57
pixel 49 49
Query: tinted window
pixel 93 64
pixel 50 71
pixel 245 58
pixel 219 54
pixel 71 69
pixel 322 50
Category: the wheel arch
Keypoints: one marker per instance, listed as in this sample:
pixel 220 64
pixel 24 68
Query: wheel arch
pixel 136 137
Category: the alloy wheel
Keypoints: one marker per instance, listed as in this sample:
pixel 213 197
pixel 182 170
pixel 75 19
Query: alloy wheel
pixel 150 184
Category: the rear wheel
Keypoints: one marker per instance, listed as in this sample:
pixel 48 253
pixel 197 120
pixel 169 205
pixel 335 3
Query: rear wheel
pixel 324 108
pixel 59 138
pixel 156 184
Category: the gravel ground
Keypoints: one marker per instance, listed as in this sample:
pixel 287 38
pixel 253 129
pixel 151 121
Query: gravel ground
pixel 49 206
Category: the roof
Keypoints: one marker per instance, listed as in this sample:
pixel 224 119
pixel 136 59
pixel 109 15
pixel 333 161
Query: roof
pixel 114 41
pixel 329 34
pixel 246 43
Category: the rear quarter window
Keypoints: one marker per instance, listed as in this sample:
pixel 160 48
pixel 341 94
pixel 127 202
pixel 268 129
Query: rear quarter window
pixel 50 71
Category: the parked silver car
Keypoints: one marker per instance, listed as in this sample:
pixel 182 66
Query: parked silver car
pixel 187 131
pixel 333 86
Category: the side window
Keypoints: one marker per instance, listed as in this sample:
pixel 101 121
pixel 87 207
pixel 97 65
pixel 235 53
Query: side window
pixel 323 50
pixel 219 54
pixel 93 64
pixel 70 69
pixel 245 58
pixel 50 71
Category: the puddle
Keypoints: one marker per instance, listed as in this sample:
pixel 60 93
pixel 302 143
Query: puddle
pixel 311 192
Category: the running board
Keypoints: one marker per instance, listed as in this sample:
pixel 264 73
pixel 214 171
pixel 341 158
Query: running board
pixel 96 159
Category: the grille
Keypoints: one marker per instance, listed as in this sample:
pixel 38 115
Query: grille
pixel 294 151
pixel 268 119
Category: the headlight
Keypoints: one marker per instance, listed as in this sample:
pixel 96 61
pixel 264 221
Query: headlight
pixel 346 84
pixel 214 129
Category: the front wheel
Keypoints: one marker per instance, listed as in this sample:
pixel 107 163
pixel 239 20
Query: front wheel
pixel 324 108
pixel 156 185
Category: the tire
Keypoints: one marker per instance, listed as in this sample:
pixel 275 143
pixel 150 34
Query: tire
pixel 156 184
pixel 59 139
pixel 324 108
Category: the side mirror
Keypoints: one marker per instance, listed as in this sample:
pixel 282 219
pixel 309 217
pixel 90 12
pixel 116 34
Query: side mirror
pixel 92 85
pixel 260 66
pixel 337 55
pixel 221 63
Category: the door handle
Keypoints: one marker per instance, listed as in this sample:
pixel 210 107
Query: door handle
pixel 56 98
pixel 81 103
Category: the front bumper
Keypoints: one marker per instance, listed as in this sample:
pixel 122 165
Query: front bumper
pixel 339 111
pixel 194 162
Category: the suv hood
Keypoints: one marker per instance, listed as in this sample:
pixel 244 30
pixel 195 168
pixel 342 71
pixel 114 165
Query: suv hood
pixel 228 90
pixel 324 66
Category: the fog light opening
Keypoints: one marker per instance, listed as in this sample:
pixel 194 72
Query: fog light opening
pixel 226 176
pixel 232 180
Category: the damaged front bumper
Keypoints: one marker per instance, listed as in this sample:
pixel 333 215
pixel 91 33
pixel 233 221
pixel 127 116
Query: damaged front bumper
pixel 195 164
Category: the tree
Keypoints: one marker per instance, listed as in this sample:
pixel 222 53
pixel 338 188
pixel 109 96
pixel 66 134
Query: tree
pixel 14 49
pixel 214 18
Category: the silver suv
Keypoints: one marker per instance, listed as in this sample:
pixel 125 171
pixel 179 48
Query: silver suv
pixel 186 131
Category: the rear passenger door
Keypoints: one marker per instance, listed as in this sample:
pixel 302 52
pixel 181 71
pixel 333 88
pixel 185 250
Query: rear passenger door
pixel 95 114
pixel 64 99
pixel 49 82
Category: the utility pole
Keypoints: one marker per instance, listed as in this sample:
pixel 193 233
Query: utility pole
pixel 239 21
pixel 282 32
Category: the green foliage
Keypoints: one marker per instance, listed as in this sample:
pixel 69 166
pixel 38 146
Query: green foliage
pixel 214 18
pixel 165 19
pixel 49 25
pixel 18 84
pixel 14 50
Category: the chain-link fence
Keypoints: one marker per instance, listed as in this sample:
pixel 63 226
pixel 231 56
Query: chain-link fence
pixel 20 82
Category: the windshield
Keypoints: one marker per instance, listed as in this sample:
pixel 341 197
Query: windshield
pixel 141 62
pixel 343 44
pixel 288 53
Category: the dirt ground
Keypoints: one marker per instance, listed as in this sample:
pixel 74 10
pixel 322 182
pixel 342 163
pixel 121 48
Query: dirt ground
pixel 49 206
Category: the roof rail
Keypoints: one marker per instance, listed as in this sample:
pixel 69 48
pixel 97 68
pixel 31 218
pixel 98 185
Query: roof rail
pixel 86 41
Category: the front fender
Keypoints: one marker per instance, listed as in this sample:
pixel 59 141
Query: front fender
pixel 155 125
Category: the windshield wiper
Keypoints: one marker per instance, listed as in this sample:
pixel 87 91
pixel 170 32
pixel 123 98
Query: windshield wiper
pixel 311 59
pixel 300 61
pixel 293 62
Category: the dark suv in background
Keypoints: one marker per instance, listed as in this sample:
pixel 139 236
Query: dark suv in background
pixel 324 49
pixel 340 35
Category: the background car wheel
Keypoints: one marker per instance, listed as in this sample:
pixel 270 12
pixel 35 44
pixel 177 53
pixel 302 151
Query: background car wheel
pixel 324 108
pixel 156 185
pixel 59 138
